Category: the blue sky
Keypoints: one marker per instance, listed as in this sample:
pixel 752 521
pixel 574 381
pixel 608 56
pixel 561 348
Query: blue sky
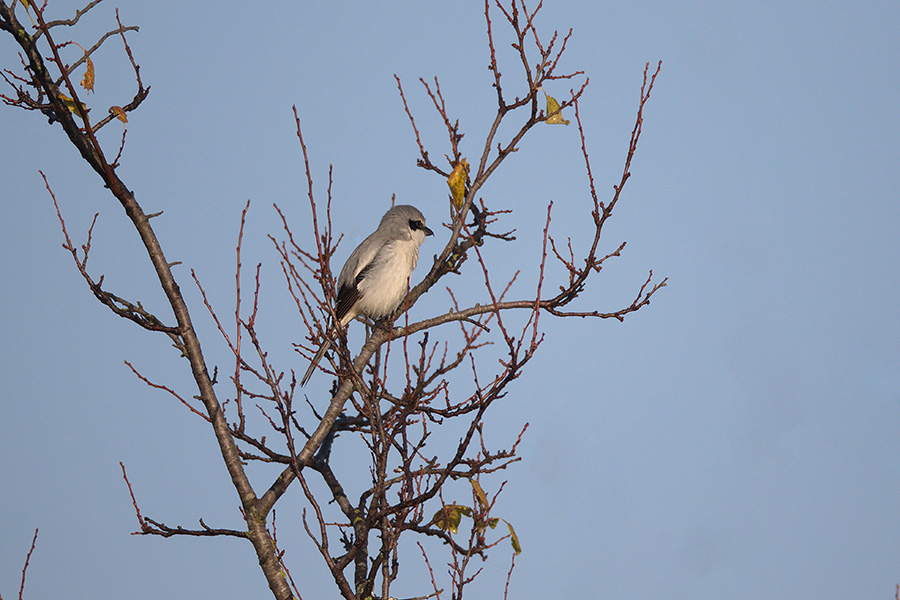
pixel 738 438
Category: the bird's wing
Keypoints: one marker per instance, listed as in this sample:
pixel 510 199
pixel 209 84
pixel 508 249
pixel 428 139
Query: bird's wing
pixel 354 270
pixel 358 260
pixel 347 296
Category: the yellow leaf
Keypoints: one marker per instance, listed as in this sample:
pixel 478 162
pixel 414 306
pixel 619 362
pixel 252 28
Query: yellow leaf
pixel 25 4
pixel 120 114
pixel 479 493
pixel 457 182
pixel 554 113
pixel 517 547
pixel 88 81
pixel 70 104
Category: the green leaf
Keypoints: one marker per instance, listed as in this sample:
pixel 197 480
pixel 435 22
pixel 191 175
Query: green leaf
pixel 492 523
pixel 449 516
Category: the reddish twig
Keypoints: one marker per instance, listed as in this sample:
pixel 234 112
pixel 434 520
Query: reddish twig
pixel 137 511
pixel 165 388
pixel 512 565
pixel 27 560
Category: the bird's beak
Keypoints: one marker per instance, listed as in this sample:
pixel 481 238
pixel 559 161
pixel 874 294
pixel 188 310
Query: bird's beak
pixel 427 231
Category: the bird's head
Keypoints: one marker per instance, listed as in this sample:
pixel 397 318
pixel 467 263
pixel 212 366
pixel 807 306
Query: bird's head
pixel 405 222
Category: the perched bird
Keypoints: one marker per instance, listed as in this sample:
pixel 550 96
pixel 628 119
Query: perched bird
pixel 376 276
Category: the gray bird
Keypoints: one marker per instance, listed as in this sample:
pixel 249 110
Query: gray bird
pixel 376 276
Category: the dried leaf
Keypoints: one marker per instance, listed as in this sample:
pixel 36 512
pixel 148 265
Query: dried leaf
pixel 120 114
pixel 88 81
pixel 25 4
pixel 457 182
pixel 554 113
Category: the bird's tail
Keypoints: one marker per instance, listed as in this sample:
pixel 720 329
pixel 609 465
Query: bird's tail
pixel 315 361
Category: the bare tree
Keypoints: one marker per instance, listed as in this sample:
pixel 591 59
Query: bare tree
pixel 399 407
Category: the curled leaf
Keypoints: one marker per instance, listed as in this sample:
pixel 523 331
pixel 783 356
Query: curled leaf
pixel 554 112
pixel 479 493
pixel 514 539
pixel 457 182
pixel 88 81
pixel 120 114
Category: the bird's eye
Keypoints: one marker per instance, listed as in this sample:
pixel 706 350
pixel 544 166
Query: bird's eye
pixel 415 224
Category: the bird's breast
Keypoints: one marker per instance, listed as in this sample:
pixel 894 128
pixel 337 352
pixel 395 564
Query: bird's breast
pixel 386 284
